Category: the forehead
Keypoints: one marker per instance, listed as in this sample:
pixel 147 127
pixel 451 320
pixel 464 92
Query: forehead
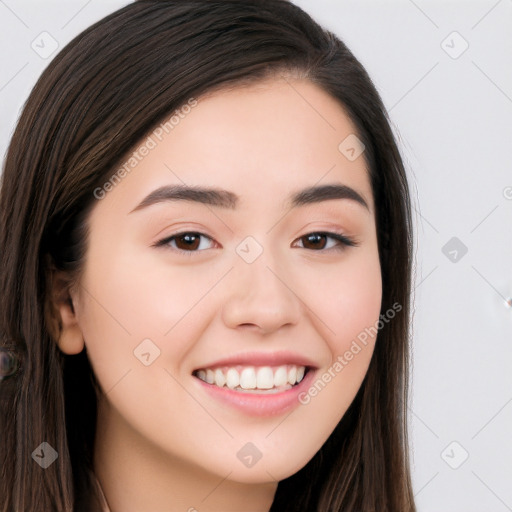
pixel 262 141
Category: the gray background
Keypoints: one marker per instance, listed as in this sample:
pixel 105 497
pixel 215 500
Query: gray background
pixel 451 109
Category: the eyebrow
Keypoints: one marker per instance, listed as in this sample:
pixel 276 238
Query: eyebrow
pixel 225 199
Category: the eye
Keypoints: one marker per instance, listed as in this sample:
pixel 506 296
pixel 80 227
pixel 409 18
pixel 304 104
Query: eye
pixel 187 241
pixel 190 241
pixel 316 241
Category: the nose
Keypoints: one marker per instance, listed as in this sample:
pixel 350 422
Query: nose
pixel 260 298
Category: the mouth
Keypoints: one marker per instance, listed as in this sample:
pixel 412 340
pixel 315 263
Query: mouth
pixel 254 379
pixel 255 383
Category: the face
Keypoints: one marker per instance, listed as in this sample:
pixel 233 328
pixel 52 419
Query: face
pixel 255 285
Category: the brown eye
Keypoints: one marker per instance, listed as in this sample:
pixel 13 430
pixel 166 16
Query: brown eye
pixel 191 242
pixel 314 241
pixel 318 241
pixel 187 241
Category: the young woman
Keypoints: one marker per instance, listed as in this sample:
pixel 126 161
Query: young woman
pixel 206 252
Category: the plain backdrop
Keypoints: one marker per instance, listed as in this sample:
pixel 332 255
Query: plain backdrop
pixel 444 71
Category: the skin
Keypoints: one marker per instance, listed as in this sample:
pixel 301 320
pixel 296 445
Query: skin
pixel 162 442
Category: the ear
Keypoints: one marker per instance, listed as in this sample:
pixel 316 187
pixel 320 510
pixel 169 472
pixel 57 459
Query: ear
pixel 61 314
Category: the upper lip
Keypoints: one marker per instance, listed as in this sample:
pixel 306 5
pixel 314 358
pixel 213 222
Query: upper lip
pixel 276 358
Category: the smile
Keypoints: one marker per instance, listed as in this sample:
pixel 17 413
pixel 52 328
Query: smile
pixel 253 379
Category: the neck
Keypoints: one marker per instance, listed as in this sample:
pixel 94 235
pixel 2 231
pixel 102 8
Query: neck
pixel 135 475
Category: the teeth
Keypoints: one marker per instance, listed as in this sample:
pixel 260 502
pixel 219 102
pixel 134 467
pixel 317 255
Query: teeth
pixel 220 379
pixel 292 375
pixel 248 378
pixel 265 378
pixel 210 376
pixel 232 379
pixel 252 378
pixel 281 376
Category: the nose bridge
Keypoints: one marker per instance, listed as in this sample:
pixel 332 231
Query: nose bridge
pixel 259 292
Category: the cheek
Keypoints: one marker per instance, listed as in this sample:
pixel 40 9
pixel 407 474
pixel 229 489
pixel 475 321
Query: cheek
pixel 356 303
pixel 131 295
pixel 140 317
pixel 345 297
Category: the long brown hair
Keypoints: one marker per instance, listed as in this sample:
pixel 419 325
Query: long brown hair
pixel 100 95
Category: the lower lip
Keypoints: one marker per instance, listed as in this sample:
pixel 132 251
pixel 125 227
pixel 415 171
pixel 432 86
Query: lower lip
pixel 257 404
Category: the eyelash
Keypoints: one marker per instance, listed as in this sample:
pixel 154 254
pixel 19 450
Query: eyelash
pixel 344 240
